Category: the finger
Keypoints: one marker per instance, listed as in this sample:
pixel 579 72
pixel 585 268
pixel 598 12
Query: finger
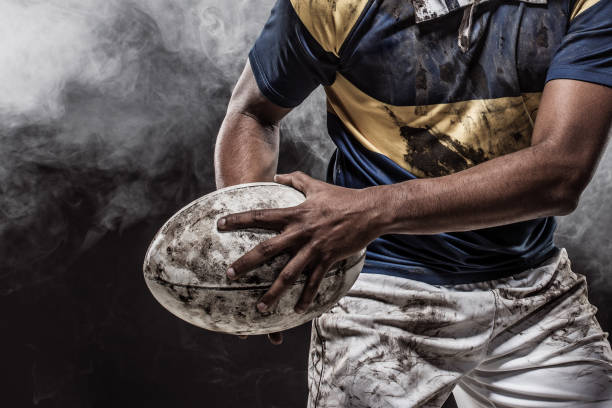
pixel 276 338
pixel 273 219
pixel 298 180
pixel 262 253
pixel 285 279
pixel 310 289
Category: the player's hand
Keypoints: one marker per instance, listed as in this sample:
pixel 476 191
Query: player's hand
pixel 333 223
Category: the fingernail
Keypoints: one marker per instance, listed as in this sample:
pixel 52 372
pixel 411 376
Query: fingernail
pixel 221 222
pixel 231 273
pixel 262 307
pixel 276 177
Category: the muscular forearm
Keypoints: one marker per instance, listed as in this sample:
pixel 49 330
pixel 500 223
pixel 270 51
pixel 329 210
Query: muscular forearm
pixel 516 187
pixel 246 150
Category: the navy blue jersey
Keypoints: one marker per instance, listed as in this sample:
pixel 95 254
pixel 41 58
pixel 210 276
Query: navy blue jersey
pixel 426 88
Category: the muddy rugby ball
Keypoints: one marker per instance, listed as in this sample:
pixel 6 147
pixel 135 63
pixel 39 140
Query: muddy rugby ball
pixel 185 266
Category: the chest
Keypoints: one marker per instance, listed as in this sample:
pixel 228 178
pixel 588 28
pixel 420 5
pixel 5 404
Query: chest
pixel 400 62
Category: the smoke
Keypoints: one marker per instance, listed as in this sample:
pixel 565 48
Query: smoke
pixel 108 115
pixel 586 235
pixel 36 61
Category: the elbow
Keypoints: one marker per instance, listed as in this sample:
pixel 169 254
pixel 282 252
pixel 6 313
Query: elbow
pixel 567 194
pixel 566 203
pixel 563 177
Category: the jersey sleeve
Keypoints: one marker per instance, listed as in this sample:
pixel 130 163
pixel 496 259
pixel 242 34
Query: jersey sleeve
pixel 287 62
pixel 585 53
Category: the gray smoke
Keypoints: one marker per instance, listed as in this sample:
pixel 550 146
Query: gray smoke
pixel 108 115
pixel 587 235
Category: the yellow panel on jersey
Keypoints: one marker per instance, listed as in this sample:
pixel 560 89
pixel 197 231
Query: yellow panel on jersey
pixel 434 140
pixel 581 6
pixel 329 21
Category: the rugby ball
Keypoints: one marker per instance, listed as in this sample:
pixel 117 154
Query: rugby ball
pixel 186 263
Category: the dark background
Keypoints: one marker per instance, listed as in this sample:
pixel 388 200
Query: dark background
pixel 108 115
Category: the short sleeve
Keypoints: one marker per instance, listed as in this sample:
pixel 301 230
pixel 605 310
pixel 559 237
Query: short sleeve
pixel 585 53
pixel 287 62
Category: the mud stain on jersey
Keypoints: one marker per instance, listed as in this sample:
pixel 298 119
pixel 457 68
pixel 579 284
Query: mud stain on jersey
pixel 433 153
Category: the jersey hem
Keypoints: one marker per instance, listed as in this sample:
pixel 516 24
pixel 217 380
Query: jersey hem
pixel 432 277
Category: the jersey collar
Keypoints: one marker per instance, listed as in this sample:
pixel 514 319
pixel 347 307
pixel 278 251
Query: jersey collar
pixel 426 10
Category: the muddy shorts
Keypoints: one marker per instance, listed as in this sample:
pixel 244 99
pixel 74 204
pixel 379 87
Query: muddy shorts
pixel 530 340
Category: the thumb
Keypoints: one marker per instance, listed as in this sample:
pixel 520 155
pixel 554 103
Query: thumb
pixel 298 180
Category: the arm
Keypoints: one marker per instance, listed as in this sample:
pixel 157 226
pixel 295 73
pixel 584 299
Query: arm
pixel 247 145
pixel 545 179
pixel 287 65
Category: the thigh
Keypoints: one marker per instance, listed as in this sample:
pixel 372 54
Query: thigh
pixel 393 342
pixel 549 351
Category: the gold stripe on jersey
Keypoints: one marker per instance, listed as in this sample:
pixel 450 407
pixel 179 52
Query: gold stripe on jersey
pixel 435 140
pixel 581 6
pixel 329 21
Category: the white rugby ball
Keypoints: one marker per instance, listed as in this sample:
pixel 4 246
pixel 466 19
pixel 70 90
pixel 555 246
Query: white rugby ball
pixel 185 266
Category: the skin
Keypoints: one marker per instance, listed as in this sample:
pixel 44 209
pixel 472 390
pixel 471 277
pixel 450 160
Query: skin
pixel 545 179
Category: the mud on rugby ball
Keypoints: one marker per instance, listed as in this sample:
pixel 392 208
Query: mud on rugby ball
pixel 186 263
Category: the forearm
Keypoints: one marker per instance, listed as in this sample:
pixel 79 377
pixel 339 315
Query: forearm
pixel 246 150
pixel 524 185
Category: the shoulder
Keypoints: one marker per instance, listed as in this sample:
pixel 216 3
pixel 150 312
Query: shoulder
pixel 330 21
pixel 578 7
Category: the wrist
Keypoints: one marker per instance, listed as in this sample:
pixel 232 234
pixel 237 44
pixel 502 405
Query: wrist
pixel 378 202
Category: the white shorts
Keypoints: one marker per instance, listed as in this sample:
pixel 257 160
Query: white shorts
pixel 530 340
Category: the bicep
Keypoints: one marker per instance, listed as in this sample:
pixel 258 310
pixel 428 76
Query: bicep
pixel 573 123
pixel 248 99
pixel 576 106
pixel 284 66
